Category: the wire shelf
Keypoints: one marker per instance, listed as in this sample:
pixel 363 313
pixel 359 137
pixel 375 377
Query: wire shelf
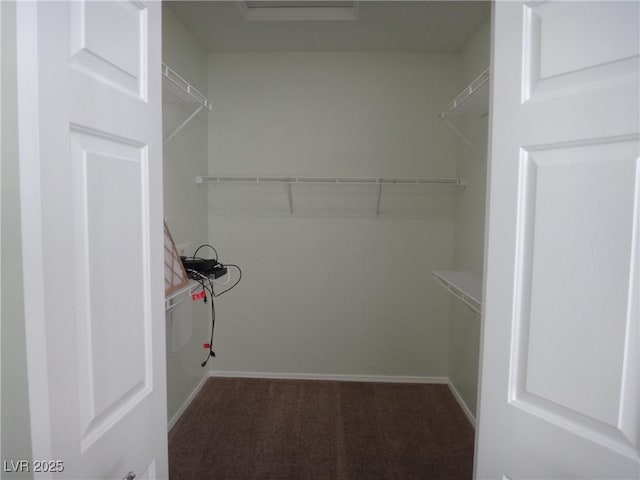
pixel 466 286
pixel 182 89
pixel 332 180
pixel 474 98
pixel 180 295
pixel 185 92
pixel 289 181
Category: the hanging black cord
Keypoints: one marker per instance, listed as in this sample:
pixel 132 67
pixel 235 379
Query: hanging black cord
pixel 207 285
pixel 205 245
pixel 213 325
pixel 198 277
pixel 213 310
pixel 209 288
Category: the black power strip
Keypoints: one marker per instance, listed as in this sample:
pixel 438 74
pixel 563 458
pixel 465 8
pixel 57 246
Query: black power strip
pixel 207 267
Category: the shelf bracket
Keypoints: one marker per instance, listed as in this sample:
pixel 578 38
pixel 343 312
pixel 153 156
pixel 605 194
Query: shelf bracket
pixel 290 193
pixel 474 96
pixel 182 125
pixel 379 196
pixel 179 87
pixel 459 134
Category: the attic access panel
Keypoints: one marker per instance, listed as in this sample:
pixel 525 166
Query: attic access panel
pixel 298 10
pixel 297 4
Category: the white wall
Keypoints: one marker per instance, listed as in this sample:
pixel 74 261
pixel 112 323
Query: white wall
pixel 469 228
pixel 16 438
pixel 333 290
pixel 185 156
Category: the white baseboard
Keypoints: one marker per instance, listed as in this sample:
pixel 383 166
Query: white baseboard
pixel 329 376
pixel 462 403
pixel 187 402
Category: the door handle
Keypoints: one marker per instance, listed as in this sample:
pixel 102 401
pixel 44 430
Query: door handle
pixel 130 476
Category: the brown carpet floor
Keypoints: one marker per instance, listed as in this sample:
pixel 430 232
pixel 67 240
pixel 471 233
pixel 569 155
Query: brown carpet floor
pixel 322 430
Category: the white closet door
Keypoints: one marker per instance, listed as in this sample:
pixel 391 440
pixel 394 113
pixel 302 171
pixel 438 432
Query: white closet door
pixel 91 203
pixel 559 384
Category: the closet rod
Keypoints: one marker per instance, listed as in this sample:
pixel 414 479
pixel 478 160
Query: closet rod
pixel 332 180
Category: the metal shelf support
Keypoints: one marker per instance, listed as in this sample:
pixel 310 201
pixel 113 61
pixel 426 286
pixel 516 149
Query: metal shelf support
pixel 178 297
pixel 379 198
pixel 187 93
pixel 472 99
pixel 182 125
pixel 290 197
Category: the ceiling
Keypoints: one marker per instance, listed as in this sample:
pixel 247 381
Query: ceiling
pixel 415 26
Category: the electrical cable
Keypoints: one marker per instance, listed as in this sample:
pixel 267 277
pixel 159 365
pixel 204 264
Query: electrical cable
pixel 227 265
pixel 207 284
pixel 221 283
pixel 213 325
pixel 205 245
pixel 200 278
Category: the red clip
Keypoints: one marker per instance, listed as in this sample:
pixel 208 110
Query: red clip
pixel 206 345
pixel 198 296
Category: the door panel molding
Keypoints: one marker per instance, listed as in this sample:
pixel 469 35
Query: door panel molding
pixel 599 404
pixel 558 61
pixel 121 64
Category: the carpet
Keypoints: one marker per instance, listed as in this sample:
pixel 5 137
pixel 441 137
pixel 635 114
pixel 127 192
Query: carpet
pixel 310 430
